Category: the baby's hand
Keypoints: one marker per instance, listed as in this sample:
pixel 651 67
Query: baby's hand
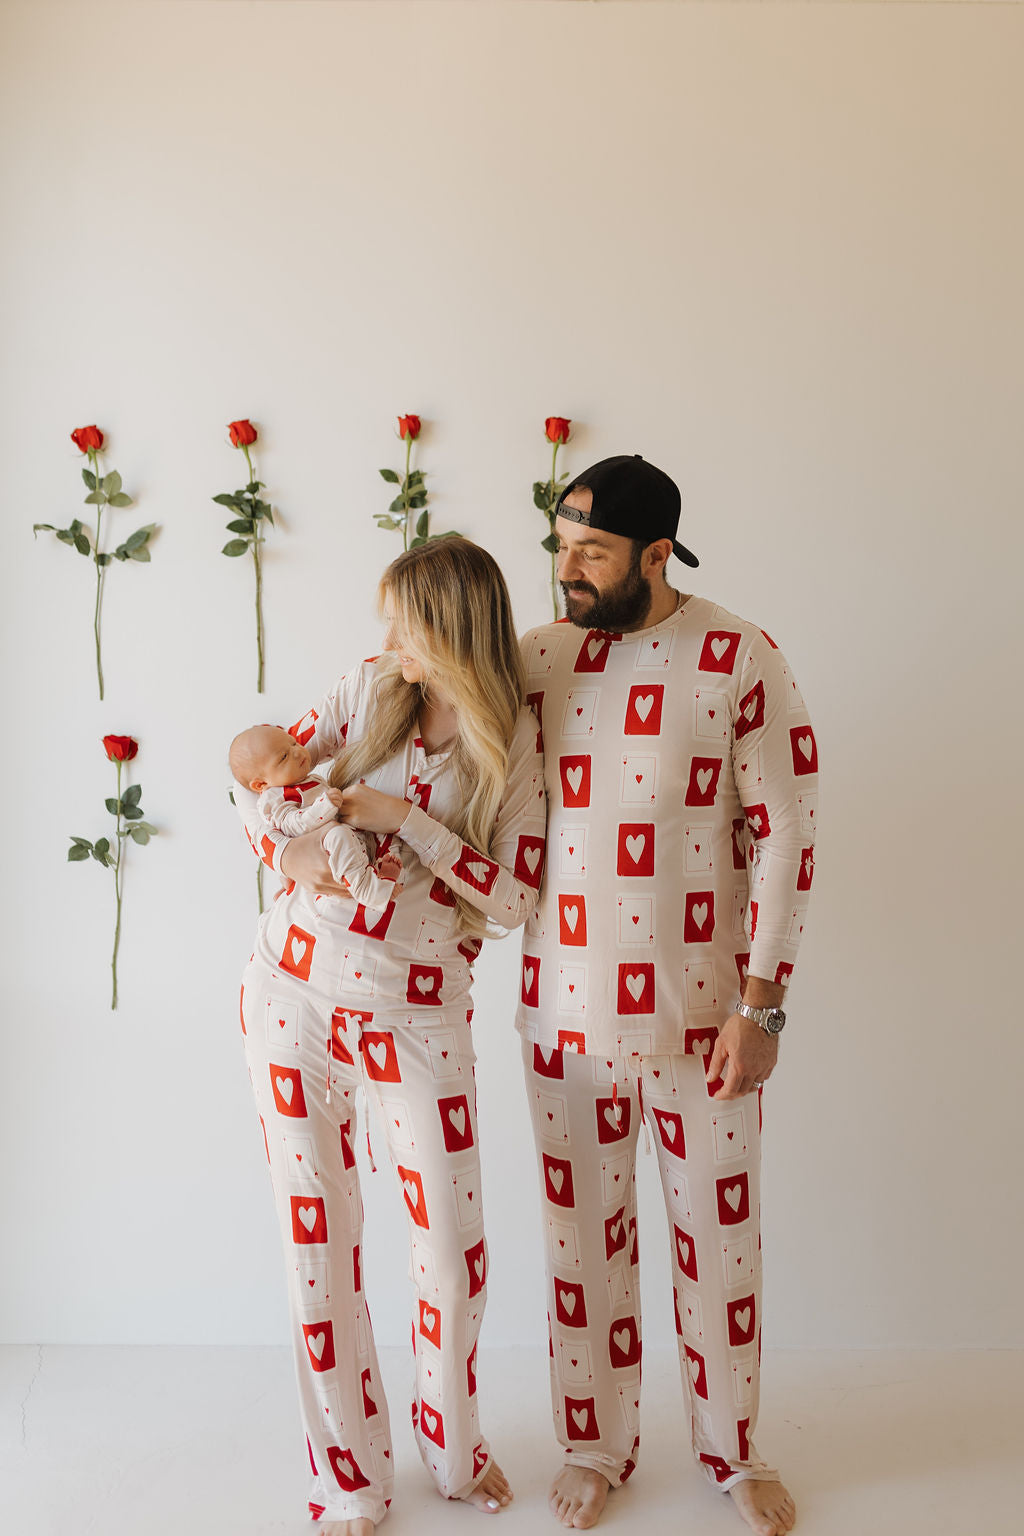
pixel 335 797
pixel 389 868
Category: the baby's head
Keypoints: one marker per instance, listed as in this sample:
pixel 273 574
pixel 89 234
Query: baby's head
pixel 265 755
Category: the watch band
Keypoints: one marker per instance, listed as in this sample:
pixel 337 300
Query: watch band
pixel 771 1020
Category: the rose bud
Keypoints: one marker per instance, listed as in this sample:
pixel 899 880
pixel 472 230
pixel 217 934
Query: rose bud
pixel 409 426
pixel 120 749
pixel 242 433
pixel 87 439
pixel 556 429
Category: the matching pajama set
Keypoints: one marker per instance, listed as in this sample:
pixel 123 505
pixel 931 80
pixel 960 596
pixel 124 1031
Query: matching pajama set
pixel 681 773
pixel 297 808
pixel 339 996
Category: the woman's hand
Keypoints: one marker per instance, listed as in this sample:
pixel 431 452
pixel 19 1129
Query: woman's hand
pixel 304 860
pixel 371 810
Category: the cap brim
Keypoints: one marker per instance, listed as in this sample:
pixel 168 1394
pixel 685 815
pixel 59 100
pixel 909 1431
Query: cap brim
pixel 685 555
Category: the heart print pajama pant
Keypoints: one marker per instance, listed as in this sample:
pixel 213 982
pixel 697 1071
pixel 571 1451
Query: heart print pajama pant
pixel 420 1074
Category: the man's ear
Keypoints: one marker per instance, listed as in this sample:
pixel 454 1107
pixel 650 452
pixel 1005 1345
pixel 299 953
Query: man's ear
pixel 655 557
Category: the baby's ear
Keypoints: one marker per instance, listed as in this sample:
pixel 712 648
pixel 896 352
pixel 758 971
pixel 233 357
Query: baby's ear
pixel 257 785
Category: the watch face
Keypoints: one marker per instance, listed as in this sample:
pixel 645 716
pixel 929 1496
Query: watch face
pixel 774 1021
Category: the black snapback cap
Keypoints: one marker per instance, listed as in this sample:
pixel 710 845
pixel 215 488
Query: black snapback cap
pixel 631 498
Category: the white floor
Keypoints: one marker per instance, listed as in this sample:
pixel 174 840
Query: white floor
pixel 196 1441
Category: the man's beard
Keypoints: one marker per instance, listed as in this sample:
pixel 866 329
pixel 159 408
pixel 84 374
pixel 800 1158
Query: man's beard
pixel 624 606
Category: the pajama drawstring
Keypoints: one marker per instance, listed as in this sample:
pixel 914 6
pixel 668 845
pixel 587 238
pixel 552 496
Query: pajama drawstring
pixel 621 1070
pixel 355 1106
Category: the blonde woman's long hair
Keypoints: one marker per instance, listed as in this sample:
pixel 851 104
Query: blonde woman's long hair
pixel 450 606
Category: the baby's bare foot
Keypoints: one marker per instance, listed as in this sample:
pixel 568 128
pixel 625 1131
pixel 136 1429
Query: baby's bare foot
pixel 577 1496
pixel 492 1492
pixel 766 1507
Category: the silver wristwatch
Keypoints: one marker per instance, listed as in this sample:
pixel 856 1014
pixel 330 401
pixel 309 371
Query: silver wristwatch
pixel 771 1020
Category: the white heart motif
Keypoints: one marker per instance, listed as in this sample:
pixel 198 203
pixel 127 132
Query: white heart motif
pixel 635 846
pixel 805 744
pixel 316 1342
pixel 733 1195
pixel 555 1178
pixel 594 647
pixel 644 705
pixel 568 1300
pixel 478 1265
pixel 574 778
pixel 378 1049
pixel 308 1215
pixel 684 1252
pixel 742 1319
pixel 424 983
pixel 704 779
pixel 635 985
pixel 580 1417
pixel 429 1319
pixel 719 648
pixel 458 1119
pixel 611 1117
pixel 751 709
pixel 701 1047
pixel 699 913
pixel 694 1371
pixel 527 977
pixel 429 1421
pixel 477 871
pixel 412 1194
pixel 571 915
pixel 285 1087
pixel 668 1127
pixel 531 858
pixel 615 1232
pixel 622 1340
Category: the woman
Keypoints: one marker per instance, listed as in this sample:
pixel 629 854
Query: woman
pixel 442 761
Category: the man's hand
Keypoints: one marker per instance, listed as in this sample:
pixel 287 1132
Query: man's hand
pixel 744 1056
pixel 304 860
pixel 371 810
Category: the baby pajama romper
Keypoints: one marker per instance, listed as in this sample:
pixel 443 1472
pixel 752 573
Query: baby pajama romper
pixel 297 808
pixel 338 994
pixel 681 773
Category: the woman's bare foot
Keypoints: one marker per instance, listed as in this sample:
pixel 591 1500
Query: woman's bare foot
pixel 578 1495
pixel 358 1527
pixel 766 1507
pixel 491 1493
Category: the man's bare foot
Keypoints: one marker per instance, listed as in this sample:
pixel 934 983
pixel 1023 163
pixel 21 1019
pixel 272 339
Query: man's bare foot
pixel 766 1507
pixel 492 1492
pixel 358 1527
pixel 578 1495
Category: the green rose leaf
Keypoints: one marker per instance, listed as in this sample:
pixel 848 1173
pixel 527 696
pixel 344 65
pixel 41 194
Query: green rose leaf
pixel 240 525
pixel 112 806
pixel 111 483
pixel 228 499
pixel 551 543
pixel 96 499
pixel 383 521
pixel 138 833
pixel 102 845
pixel 132 795
pixel 141 554
pixel 421 524
pixel 235 547
pixel 103 559
pixel 82 544
pixel 38 527
pixel 417 500
pixel 139 537
pixel 89 478
pixel 131 813
pixel 541 497
pixel 254 486
pixel 415 543
pixel 83 842
pixel 119 499
pixel 390 476
pixel 77 852
pixel 398 505
pixel 144 826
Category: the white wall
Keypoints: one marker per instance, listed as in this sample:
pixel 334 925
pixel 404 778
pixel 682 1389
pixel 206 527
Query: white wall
pixel 775 248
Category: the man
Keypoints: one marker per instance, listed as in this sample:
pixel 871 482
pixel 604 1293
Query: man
pixel 681 775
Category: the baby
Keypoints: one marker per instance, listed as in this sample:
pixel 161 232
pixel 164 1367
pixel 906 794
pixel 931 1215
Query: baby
pixel 277 768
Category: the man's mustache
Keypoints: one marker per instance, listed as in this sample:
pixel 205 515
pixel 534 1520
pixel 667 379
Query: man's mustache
pixel 579 587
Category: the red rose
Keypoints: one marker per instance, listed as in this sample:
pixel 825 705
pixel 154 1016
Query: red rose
pixel 556 429
pixel 242 433
pixel 409 426
pixel 87 439
pixel 120 749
